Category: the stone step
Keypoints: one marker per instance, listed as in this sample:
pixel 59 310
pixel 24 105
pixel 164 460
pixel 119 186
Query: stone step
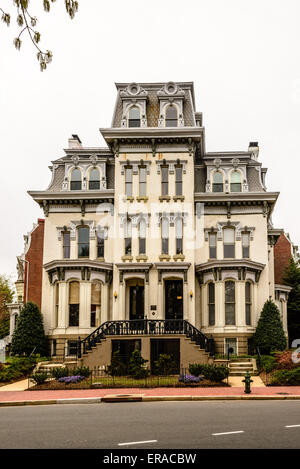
pixel 239 373
pixel 248 367
pixel 242 364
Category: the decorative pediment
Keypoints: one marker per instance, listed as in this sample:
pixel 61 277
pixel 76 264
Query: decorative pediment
pixel 133 90
pixel 170 90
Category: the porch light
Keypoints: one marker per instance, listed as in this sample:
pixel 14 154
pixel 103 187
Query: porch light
pixel 115 295
pixel 191 294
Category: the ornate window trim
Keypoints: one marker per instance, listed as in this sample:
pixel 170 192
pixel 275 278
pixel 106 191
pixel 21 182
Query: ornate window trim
pixel 171 164
pixel 135 165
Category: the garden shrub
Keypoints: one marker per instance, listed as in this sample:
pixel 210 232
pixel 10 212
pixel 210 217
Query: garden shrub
pixel 284 360
pixel 267 363
pixel 39 378
pixel 286 377
pixel 269 335
pixel 116 367
pixel 215 373
pixel 136 367
pixel 59 372
pixel 17 367
pixel 29 333
pixel 165 365
pixel 81 371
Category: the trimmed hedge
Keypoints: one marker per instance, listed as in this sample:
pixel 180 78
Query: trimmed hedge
pixel 286 377
pixel 215 373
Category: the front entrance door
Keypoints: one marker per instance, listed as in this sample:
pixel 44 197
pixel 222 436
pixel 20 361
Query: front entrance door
pixel 136 302
pixel 173 299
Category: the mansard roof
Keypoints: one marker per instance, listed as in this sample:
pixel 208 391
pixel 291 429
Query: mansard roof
pixel 151 92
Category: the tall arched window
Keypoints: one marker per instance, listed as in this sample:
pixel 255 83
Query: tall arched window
pixel 134 117
pixel 228 240
pixel 95 303
pixel 211 304
pixel 94 182
pixel 229 302
pixel 248 303
pixel 142 237
pixel 218 182
pixel 179 235
pixel 128 238
pixel 76 180
pixel 235 182
pixel 165 236
pixel 74 303
pixel 83 241
pixel 171 116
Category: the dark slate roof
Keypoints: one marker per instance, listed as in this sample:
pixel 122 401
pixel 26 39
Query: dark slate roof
pixel 254 184
pixel 59 174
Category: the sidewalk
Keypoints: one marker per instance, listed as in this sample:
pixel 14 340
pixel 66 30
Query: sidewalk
pixel 90 395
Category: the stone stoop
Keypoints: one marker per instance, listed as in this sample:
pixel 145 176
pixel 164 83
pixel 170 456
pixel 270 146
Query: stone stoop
pixel 48 366
pixel 239 368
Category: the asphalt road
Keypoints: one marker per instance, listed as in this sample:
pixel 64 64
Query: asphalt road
pixel 174 425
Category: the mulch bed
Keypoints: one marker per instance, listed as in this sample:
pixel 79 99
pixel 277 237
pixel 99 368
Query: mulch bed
pixel 86 384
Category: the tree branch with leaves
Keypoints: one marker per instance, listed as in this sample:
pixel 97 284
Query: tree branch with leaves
pixel 27 23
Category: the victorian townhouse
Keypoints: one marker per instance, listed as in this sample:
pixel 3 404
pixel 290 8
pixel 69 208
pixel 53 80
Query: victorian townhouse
pixel 152 241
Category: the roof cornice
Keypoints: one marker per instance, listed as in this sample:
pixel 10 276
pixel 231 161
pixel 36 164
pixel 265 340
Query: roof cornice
pixel 110 134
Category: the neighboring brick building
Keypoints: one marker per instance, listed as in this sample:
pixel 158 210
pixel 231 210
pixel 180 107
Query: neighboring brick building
pixel 283 251
pixel 34 249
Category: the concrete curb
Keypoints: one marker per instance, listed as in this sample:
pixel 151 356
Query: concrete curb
pixel 98 400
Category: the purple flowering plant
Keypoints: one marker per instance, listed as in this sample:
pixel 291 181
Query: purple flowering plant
pixel 70 379
pixel 189 379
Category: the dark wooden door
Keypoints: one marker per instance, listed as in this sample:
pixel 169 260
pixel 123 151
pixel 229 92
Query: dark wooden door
pixel 173 299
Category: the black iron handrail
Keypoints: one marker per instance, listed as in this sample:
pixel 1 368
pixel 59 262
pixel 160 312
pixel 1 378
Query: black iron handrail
pixel 145 327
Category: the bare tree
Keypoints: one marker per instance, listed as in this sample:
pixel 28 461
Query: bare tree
pixel 27 23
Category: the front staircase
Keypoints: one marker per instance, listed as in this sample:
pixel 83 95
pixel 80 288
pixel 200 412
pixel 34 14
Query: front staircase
pixel 239 368
pixel 195 347
pixel 159 327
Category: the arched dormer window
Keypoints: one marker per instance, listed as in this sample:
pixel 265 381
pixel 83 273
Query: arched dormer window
pixel 235 182
pixel 94 182
pixel 218 182
pixel 76 180
pixel 171 116
pixel 134 117
pixel 83 241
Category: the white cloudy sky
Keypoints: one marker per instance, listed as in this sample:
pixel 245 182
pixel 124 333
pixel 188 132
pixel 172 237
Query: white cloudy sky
pixel 243 56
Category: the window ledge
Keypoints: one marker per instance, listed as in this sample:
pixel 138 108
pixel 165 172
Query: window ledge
pixel 100 259
pixel 127 258
pixel 164 197
pixel 129 198
pixel 142 198
pixel 178 197
pixel 141 257
pixel 177 257
pixel 164 257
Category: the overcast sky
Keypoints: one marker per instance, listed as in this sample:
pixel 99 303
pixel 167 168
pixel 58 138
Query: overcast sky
pixel 243 57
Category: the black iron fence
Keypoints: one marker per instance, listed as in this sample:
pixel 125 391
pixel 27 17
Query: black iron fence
pixel 99 379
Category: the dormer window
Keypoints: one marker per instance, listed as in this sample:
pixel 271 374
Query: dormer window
pixel 76 180
pixel 218 182
pixel 134 117
pixel 94 182
pixel 171 116
pixel 235 182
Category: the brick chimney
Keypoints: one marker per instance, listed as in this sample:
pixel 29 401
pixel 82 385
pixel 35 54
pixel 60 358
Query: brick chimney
pixel 254 149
